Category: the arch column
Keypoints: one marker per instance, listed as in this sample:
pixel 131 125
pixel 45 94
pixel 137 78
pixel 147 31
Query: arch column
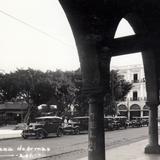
pixel 153 146
pixel 152 102
pixel 129 116
pixel 141 115
pixel 91 24
pixel 96 142
pixel 96 145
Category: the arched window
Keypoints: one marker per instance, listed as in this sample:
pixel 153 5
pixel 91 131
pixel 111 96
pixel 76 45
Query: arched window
pixel 145 107
pixel 122 107
pixel 135 107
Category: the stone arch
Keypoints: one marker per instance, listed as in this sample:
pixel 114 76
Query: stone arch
pixel 149 24
pixel 94 24
pixel 136 23
pixel 122 110
pixel 141 25
pixel 135 111
pixel 122 107
pixel 145 107
pixel 135 107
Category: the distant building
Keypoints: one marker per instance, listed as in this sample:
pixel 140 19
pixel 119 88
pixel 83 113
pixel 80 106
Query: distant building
pixel 134 105
pixel 12 112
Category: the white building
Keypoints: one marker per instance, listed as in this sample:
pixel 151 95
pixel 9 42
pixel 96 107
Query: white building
pixel 136 98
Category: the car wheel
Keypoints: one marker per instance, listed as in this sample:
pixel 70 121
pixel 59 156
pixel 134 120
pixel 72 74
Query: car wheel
pixel 59 133
pixel 40 135
pixel 24 137
pixel 77 131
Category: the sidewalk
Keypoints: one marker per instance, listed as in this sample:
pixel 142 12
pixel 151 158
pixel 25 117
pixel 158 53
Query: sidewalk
pixel 133 151
pixel 8 132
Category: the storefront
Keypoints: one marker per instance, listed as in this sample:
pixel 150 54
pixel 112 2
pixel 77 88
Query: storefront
pixel 145 110
pixel 122 110
pixel 12 112
pixel 135 111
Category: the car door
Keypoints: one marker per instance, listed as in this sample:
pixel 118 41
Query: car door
pixel 49 125
pixel 56 123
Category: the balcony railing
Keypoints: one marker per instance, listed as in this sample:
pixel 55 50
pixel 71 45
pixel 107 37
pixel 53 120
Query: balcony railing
pixel 138 81
pixel 137 99
pixel 135 81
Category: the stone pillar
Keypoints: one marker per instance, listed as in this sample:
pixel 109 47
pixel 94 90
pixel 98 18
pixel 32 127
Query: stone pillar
pixel 153 147
pixel 141 113
pixel 129 115
pixel 96 146
pixel 152 88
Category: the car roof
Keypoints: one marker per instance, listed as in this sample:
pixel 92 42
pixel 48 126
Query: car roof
pixel 49 117
pixel 81 117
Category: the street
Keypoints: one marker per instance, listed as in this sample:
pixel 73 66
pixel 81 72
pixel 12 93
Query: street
pixel 68 147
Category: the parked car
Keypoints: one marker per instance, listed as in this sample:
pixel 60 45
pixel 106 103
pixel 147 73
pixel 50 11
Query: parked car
pixel 44 127
pixel 82 122
pixel 145 120
pixel 71 128
pixel 120 122
pixel 136 122
pixel 128 123
pixel 141 121
pixel 112 123
pixel 109 123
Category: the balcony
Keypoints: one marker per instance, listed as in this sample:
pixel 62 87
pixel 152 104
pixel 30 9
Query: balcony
pixel 139 81
pixel 135 81
pixel 137 99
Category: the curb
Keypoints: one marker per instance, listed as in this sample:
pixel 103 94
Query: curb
pixel 8 138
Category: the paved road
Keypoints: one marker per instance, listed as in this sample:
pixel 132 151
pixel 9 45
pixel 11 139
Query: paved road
pixel 68 147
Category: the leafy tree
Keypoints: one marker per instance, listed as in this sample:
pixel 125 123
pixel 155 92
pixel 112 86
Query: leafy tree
pixel 8 87
pixel 54 88
pixel 29 85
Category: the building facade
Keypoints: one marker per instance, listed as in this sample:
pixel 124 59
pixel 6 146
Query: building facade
pixel 12 112
pixel 134 105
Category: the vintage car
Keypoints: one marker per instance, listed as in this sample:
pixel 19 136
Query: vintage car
pixel 145 120
pixel 82 122
pixel 113 123
pixel 140 121
pixel 43 127
pixel 71 128
pixel 109 123
pixel 128 123
pixel 136 122
pixel 120 122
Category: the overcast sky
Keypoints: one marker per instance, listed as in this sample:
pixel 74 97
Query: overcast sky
pixel 36 34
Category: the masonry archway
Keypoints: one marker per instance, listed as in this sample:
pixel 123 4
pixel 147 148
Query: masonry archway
pixel 122 110
pixel 135 111
pixel 94 24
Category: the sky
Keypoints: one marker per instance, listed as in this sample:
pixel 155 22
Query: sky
pixel 36 34
pixel 124 29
